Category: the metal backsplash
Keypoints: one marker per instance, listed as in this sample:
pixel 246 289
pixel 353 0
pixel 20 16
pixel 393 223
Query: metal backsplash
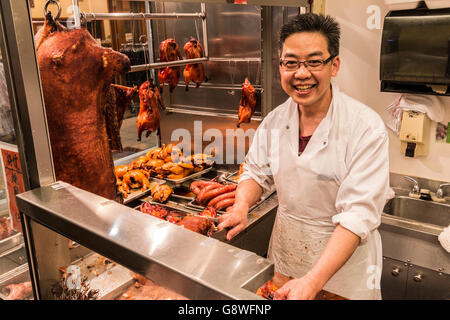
pixel 236 44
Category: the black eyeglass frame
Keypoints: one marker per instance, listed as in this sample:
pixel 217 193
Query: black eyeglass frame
pixel 299 63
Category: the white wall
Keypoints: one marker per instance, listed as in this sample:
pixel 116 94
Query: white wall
pixel 359 77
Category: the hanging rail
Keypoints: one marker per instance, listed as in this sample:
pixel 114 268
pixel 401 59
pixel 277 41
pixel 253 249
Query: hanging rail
pixel 140 16
pixel 159 65
pixel 78 16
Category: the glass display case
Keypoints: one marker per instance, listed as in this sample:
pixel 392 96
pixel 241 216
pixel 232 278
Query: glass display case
pixel 71 234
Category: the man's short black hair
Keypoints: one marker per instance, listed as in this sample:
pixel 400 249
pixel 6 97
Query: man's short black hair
pixel 311 22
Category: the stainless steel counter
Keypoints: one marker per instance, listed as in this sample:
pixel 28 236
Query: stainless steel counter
pixel 193 265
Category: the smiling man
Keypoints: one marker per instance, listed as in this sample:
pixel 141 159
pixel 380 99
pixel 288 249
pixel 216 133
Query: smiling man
pixel 327 155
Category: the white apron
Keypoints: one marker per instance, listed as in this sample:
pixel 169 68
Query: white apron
pixel 307 186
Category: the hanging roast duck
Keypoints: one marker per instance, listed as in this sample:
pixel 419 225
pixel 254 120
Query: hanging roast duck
pixel 247 103
pixel 193 72
pixel 169 51
pixel 149 117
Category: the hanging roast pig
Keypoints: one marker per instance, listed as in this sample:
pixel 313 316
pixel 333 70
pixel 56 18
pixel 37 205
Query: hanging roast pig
pixel 76 73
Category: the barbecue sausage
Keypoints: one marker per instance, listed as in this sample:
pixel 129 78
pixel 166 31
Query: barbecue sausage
pixel 224 196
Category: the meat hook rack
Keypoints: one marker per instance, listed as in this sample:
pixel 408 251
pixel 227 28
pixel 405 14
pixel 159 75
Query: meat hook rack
pixel 149 16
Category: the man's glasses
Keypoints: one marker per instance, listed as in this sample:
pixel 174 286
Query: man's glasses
pixel 311 65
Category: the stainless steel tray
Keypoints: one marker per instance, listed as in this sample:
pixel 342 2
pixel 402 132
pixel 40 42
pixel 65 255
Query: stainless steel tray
pixel 135 194
pixel 189 177
pixel 265 195
pixel 174 195
pixel 232 177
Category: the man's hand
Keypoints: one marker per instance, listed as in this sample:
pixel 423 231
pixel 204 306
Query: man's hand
pixel 305 288
pixel 236 219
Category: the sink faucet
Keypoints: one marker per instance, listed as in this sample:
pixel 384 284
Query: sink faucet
pixel 440 191
pixel 415 190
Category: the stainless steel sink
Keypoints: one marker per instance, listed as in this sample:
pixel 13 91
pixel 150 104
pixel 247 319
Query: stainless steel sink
pixel 418 210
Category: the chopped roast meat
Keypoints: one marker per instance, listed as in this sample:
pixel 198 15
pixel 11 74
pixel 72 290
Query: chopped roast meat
pixel 247 103
pixel 197 224
pixel 76 74
pixel 145 289
pixel 18 291
pixel 267 290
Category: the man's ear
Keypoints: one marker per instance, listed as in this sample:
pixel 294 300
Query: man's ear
pixel 335 66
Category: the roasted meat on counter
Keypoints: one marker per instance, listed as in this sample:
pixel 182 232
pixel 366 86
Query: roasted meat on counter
pixel 247 103
pixel 19 291
pixel 197 224
pixel 169 51
pixel 193 72
pixel 76 74
pixel 149 117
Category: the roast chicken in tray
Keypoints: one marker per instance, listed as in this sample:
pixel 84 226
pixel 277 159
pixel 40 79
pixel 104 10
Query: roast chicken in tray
pixel 193 72
pixel 247 103
pixel 169 51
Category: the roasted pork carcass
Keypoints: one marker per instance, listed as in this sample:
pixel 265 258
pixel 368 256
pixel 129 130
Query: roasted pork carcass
pixel 193 72
pixel 117 100
pixel 247 103
pixel 169 51
pixel 76 74
pixel 149 117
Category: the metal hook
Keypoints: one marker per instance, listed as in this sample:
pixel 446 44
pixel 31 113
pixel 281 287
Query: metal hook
pixel 52 2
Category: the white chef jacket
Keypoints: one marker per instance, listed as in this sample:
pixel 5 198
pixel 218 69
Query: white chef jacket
pixel 342 177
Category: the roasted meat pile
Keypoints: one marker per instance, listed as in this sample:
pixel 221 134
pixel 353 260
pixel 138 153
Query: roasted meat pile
pixel 247 103
pixel 145 289
pixel 169 51
pixel 149 117
pixel 76 74
pixel 193 72
pixel 164 162
pixel 194 223
pixel 214 194
pixel 19 291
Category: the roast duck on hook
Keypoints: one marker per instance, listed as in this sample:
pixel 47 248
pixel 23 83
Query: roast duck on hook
pixel 169 51
pixel 247 104
pixel 193 72
pixel 149 117
pixel 76 73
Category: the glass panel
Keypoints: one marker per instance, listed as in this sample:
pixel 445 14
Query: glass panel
pixel 14 276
